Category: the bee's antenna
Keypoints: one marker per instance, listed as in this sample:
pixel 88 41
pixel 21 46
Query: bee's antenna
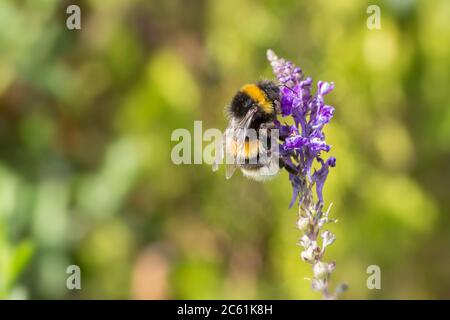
pixel 284 86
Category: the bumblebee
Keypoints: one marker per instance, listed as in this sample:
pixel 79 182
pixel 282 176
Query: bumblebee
pixel 249 142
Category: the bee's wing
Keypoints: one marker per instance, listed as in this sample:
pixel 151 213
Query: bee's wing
pixel 225 154
pixel 232 148
pixel 229 170
pixel 220 154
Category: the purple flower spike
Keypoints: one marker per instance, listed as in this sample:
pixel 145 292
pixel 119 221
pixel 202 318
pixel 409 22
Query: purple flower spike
pixel 305 141
pixel 301 147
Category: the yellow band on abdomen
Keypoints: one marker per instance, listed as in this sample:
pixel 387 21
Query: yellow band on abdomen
pixel 247 150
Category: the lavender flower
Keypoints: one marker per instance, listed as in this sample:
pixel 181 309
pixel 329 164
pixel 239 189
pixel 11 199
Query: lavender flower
pixel 302 146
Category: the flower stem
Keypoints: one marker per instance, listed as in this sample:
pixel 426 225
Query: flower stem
pixel 311 220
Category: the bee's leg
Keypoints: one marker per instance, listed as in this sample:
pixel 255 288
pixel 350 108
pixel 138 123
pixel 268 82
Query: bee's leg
pixel 268 125
pixel 282 164
pixel 271 126
pixel 288 167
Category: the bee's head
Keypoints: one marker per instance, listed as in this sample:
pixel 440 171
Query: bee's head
pixel 264 96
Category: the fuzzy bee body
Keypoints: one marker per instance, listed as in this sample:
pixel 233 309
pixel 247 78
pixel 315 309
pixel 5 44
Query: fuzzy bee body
pixel 254 107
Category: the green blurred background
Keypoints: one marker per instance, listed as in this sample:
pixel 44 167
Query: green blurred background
pixel 86 176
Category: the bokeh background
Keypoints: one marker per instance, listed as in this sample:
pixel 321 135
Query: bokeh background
pixel 86 176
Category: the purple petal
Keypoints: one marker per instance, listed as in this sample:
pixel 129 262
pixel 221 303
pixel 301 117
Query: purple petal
pixel 325 87
pixel 331 161
pixel 323 116
pixel 295 142
pixel 286 105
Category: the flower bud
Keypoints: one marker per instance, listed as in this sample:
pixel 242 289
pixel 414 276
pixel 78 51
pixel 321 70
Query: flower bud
pixel 308 255
pixel 341 288
pixel 318 284
pixel 328 238
pixel 331 267
pixel 302 223
pixel 305 242
pixel 311 252
pixel 325 87
pixel 320 270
